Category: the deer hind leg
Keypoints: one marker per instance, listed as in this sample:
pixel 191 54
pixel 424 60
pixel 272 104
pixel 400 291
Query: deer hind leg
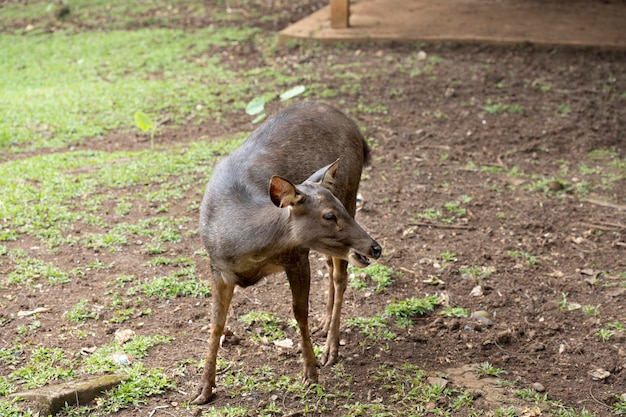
pixel 222 295
pixel 339 282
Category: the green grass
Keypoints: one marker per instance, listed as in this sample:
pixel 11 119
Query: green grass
pixel 80 312
pixel 375 277
pixel 263 325
pixel 92 84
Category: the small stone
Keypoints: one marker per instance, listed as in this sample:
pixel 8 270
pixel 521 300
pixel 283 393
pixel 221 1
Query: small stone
pixel 52 398
pixel 437 381
pixel 123 335
pixel 538 387
pixel 483 317
pixel 599 374
pixel 555 186
pixel 477 291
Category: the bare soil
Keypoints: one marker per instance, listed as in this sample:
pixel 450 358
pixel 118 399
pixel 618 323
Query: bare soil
pixel 434 143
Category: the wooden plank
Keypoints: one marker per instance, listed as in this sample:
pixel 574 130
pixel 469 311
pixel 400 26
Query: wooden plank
pixel 339 14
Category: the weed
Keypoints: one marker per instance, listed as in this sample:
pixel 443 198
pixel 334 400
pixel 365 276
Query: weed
pixel 80 313
pixel 563 110
pixel 412 307
pixel 616 325
pixel 44 365
pixel 375 328
pixel 29 270
pixel 265 325
pixel 449 257
pixel 449 311
pixel 171 286
pixel 619 406
pixel 381 276
pixel 486 369
pixel 590 310
pixel 605 334
pixel 528 258
pixel 11 355
pixel 476 272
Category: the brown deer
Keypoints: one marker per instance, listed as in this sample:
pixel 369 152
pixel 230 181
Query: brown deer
pixel 289 188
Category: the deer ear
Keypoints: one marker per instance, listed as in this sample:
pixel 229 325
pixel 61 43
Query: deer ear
pixel 328 181
pixel 283 193
pixel 326 175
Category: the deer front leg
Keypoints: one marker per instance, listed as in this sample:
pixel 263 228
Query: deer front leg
pixel 340 282
pixel 222 292
pixel 299 276
pixel 330 300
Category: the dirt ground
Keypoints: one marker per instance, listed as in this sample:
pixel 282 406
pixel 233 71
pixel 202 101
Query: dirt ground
pixel 545 219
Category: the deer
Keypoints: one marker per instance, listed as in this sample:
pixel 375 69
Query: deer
pixel 290 188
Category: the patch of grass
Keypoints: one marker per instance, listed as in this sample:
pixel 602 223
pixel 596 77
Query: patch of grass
pixel 452 211
pixel 29 270
pixel 459 312
pixel 590 310
pixel 605 334
pixel 486 369
pixel 381 277
pixel 177 284
pixel 92 84
pixel 477 272
pixel 44 366
pixel 264 325
pixel 11 355
pixel 375 328
pixel 527 257
pixel 496 107
pixel 552 186
pixel 80 313
pixel 411 307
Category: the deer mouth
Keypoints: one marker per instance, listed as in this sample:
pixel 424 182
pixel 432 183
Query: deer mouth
pixel 358 260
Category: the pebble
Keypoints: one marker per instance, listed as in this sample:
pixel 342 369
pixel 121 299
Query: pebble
pixel 482 317
pixel 538 387
pixel 477 291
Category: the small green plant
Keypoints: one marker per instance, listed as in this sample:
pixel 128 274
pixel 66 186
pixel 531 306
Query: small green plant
pixel 616 325
pixel 265 325
pixel 145 123
pixel 591 310
pixel 412 307
pixel 619 406
pixel 486 369
pixel 80 313
pixel 449 257
pixel 605 334
pixel 381 276
pixel 375 328
pixel 29 270
pixel 530 259
pixel 180 283
pixel 449 311
pixel 476 272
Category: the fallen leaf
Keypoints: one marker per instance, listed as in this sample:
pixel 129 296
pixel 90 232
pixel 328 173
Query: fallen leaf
pixel 285 343
pixel 31 312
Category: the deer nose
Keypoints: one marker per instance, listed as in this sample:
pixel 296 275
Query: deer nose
pixel 376 250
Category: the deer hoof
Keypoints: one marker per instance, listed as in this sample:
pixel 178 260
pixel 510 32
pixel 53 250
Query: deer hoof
pixel 329 358
pixel 204 396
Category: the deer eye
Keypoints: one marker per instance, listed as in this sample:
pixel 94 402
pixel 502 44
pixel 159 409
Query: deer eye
pixel 329 216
